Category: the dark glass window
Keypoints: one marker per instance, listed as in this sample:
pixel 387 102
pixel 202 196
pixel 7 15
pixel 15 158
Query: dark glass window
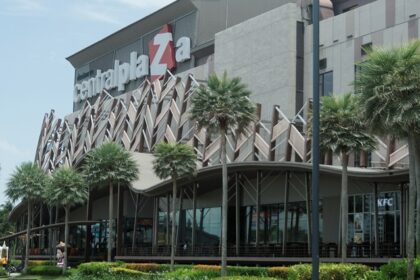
pixel 272 223
pixel 351 204
pixel 345 10
pixel 365 48
pixel 144 231
pixel 326 84
pixel 209 225
pixel 362 218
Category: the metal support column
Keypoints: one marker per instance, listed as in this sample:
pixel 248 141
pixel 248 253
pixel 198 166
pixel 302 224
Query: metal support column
pixel 315 140
pixel 88 236
pixel 168 217
pixel 257 233
pixel 155 222
pixel 179 210
pixel 375 205
pixel 286 201
pixel 402 220
pixel 308 210
pixel 120 216
pixel 194 224
pixel 237 215
pixel 133 244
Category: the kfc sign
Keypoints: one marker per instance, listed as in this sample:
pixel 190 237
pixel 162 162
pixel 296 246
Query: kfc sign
pixel 163 56
pixel 385 202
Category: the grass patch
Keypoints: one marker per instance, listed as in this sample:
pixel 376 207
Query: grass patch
pixel 244 278
pixel 39 277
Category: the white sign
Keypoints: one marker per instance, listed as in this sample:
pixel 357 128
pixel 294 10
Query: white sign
pixel 138 67
pixel 383 202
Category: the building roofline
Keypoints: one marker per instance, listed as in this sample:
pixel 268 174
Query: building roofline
pixel 134 30
pixel 365 174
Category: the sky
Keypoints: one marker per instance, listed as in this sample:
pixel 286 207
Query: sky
pixel 35 38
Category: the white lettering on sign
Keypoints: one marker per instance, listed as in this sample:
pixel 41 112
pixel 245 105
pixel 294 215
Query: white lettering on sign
pixel 183 49
pixel 158 66
pixel 162 57
pixel 383 202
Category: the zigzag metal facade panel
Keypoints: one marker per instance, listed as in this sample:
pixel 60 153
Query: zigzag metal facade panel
pixel 157 112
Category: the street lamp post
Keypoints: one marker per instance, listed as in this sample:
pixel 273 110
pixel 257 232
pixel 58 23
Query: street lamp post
pixel 315 141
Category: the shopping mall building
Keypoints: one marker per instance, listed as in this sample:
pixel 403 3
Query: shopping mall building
pixel 134 87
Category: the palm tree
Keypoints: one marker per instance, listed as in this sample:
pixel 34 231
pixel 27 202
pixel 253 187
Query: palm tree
pixel 388 82
pixel 223 104
pixel 5 226
pixel 27 184
pixel 175 161
pixel 342 131
pixel 110 164
pixel 67 188
pixel 50 204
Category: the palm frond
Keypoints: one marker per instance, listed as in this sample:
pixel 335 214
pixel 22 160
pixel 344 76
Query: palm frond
pixel 389 85
pixel 67 187
pixel 222 104
pixel 109 163
pixel 27 182
pixel 174 160
pixel 341 129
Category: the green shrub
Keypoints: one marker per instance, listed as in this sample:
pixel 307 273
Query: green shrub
pixel 128 272
pixel 280 272
pixel 374 275
pixel 206 267
pixel 209 271
pixel 245 278
pixel 247 271
pixel 3 272
pixel 398 269
pixel 39 262
pixel 45 270
pixel 329 271
pixel 300 272
pixel 189 274
pixel 97 269
pixel 144 267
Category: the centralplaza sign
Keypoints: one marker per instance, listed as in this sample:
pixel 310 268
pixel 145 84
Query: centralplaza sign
pixel 163 56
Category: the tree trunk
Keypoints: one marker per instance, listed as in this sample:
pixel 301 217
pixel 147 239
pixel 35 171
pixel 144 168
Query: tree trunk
pixel 66 236
pixel 50 243
pixel 173 239
pixel 28 228
pixel 224 202
pixel 56 230
pixel 88 235
pixel 417 172
pixel 111 210
pixel 344 205
pixel 411 210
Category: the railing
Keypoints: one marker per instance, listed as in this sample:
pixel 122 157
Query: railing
pixel 293 249
pixel 367 250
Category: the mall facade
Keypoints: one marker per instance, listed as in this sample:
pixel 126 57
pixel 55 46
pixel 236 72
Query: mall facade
pixel 134 87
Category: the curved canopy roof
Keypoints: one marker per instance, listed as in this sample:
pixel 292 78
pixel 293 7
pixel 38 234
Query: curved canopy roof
pixel 149 184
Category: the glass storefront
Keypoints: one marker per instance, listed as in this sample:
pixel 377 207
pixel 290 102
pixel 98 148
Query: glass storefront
pixel 362 218
pixel 99 236
pixel 272 223
pixel 144 231
pixel 208 226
